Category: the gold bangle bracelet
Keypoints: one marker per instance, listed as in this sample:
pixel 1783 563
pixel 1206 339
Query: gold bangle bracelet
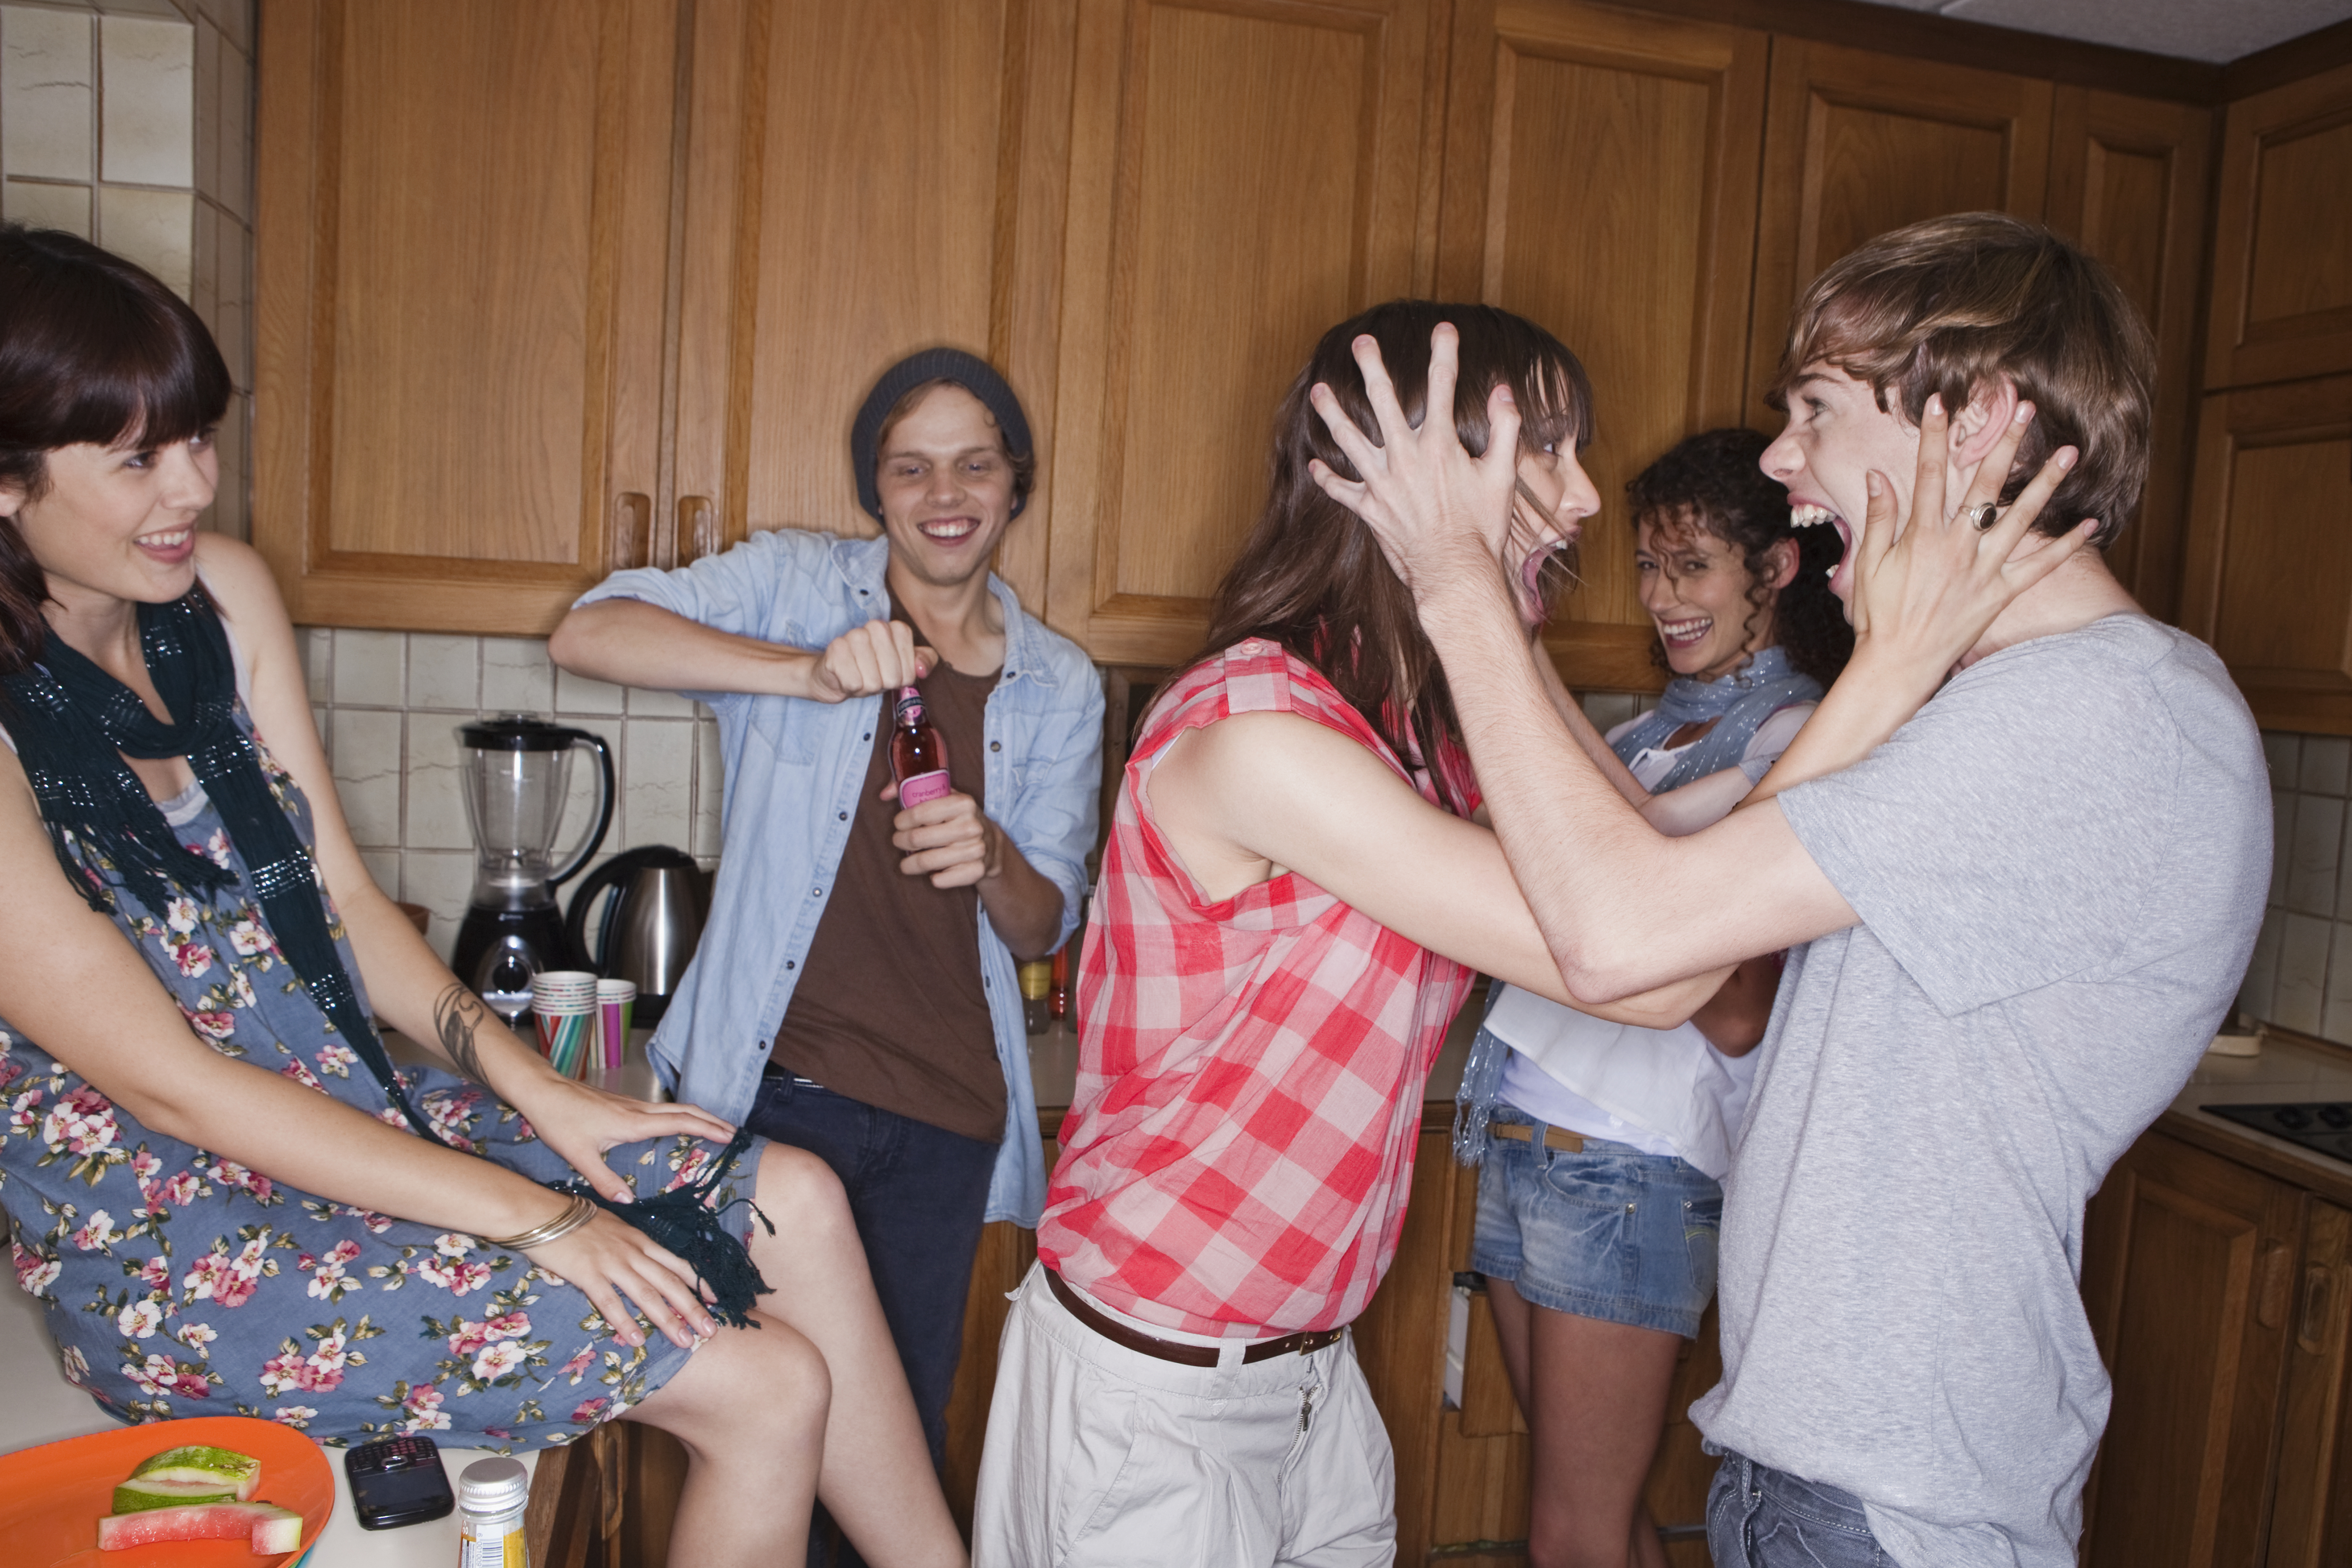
pixel 576 1213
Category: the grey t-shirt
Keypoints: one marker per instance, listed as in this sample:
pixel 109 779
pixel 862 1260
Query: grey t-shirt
pixel 2060 865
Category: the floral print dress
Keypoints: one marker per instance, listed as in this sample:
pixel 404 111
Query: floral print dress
pixel 177 1282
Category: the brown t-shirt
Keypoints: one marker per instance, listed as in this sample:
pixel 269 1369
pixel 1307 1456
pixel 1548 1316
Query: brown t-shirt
pixel 890 1008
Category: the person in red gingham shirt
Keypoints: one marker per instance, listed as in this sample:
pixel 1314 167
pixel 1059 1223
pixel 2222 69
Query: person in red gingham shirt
pixel 1290 896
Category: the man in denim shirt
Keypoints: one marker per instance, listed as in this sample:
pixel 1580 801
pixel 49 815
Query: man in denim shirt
pixel 851 995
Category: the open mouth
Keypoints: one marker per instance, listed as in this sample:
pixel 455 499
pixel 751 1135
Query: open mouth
pixel 1806 514
pixel 1685 634
pixel 1550 571
pixel 948 529
pixel 169 546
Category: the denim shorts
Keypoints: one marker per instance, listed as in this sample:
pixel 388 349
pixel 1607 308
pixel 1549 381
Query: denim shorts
pixel 1611 1233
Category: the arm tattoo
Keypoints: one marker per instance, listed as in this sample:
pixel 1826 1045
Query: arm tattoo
pixel 456 1014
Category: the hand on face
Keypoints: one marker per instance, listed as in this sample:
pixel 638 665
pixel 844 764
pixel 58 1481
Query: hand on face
pixel 1926 587
pixel 1441 515
pixel 880 656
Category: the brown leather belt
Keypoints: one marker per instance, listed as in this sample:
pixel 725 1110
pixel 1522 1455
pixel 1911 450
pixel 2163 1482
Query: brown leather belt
pixel 1118 1333
pixel 1556 1138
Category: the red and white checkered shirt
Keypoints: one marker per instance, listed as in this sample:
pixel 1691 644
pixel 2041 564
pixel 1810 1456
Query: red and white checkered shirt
pixel 1240 1148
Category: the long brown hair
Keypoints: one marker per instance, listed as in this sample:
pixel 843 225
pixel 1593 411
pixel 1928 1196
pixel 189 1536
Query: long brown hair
pixel 93 350
pixel 1311 576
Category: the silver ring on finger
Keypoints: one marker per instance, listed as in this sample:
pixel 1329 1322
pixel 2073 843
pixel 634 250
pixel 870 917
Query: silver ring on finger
pixel 1984 516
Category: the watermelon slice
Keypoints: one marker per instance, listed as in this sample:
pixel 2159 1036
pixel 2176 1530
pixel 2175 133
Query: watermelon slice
pixel 269 1529
pixel 222 1469
pixel 142 1492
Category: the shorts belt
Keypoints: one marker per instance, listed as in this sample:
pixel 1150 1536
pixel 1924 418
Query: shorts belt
pixel 1558 1139
pixel 1118 1333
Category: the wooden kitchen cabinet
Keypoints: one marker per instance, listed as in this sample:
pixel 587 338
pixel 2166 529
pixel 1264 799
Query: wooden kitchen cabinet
pixel 1243 175
pixel 548 289
pixel 2268 573
pixel 2283 249
pixel 460 279
pixel 2128 183
pixel 1602 179
pixel 2189 1276
pixel 1857 142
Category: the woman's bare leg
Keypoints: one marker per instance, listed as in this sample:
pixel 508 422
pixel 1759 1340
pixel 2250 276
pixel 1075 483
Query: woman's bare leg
pixel 877 1480
pixel 814 1402
pixel 1594 1395
pixel 750 1407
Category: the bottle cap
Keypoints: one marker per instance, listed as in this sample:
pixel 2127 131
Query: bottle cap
pixel 1036 978
pixel 492 1487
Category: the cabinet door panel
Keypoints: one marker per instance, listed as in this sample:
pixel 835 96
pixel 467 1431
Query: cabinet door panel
pixel 1602 181
pixel 1857 143
pixel 2268 579
pixel 460 302
pixel 1242 176
pixel 2283 260
pixel 2127 182
pixel 2186 1274
pixel 2311 1516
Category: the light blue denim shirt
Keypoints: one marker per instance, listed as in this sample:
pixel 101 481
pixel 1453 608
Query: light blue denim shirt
pixel 793 772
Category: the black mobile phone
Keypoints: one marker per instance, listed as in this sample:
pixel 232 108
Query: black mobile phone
pixel 398 1481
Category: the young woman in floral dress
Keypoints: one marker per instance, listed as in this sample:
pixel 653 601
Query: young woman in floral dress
pixel 212 1180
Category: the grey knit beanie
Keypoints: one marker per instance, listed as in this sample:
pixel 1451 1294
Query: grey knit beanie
pixel 970 371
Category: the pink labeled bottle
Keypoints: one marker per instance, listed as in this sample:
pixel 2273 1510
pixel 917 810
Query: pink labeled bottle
pixel 918 752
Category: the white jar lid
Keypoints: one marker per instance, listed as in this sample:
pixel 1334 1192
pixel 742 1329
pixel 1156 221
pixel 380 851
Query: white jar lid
pixel 494 1486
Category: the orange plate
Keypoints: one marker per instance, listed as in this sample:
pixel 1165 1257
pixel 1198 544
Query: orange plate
pixel 52 1497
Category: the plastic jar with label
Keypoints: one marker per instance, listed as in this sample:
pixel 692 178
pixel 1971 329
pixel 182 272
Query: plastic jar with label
pixel 491 1496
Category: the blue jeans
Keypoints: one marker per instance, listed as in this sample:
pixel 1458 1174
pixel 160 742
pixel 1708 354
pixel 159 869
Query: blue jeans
pixel 1758 1517
pixel 917 1193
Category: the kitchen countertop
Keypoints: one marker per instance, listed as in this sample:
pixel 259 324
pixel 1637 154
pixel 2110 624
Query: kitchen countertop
pixel 2284 1071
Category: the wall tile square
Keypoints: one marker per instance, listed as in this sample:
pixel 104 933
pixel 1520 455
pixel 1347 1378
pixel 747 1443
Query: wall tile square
pixel 154 228
pixel 234 17
pixel 645 702
pixel 2257 994
pixel 578 694
pixel 2313 853
pixel 657 791
pixel 48 93
pixel 174 9
pixel 444 672
pixel 1607 710
pixel 371 667
pixel 517 677
pixel 317 646
pixel 2326 760
pixel 205 167
pixel 48 207
pixel 441 882
pixel 231 506
pixel 436 803
pixel 709 789
pixel 2336 1016
pixel 204 266
pixel 232 182
pixel 366 761
pixel 2283 802
pixel 147 102
pixel 2302 972
pixel 2283 752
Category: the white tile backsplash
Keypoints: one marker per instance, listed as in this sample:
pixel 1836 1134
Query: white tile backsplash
pixel 153 229
pixel 2300 972
pixel 147 113
pixel 392 703
pixel 48 93
pixel 37 205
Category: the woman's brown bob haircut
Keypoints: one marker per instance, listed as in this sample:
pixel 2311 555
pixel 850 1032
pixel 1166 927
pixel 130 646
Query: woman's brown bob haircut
pixel 1950 304
pixel 94 350
pixel 1311 576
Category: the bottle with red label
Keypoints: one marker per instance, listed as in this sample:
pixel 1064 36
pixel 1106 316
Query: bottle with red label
pixel 918 752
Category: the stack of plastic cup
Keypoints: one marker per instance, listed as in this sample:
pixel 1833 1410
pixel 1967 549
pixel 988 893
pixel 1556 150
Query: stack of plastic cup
pixel 615 1000
pixel 564 1003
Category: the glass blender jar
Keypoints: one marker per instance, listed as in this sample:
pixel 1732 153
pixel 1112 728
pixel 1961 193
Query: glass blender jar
pixel 515 772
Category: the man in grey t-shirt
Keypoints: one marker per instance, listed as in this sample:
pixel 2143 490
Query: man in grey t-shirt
pixel 2015 916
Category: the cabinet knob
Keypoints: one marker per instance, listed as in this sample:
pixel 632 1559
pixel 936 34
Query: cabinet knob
pixel 631 542
pixel 2314 1328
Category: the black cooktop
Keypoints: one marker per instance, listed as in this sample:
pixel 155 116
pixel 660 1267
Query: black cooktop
pixel 2323 1126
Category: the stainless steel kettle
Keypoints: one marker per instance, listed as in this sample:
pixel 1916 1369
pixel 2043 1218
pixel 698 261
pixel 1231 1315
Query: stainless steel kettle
pixel 649 930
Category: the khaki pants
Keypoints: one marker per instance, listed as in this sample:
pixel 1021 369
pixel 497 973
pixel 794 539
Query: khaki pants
pixel 1099 1455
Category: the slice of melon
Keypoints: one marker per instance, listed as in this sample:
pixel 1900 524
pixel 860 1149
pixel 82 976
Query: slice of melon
pixel 270 1529
pixel 239 1473
pixel 142 1492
